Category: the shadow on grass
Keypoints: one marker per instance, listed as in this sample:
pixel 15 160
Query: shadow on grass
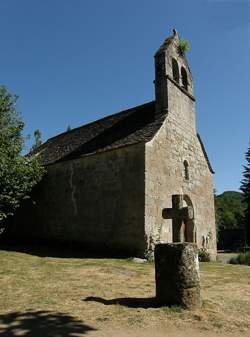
pixel 41 324
pixel 66 250
pixel 130 302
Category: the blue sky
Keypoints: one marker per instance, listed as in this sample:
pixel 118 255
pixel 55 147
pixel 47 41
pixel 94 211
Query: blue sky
pixel 75 61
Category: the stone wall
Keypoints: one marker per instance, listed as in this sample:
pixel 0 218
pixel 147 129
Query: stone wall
pixel 96 200
pixel 176 142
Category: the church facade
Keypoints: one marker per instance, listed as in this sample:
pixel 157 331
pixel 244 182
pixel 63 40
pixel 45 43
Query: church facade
pixel 132 179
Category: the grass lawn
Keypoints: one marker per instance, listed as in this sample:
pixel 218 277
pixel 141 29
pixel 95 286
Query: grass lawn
pixel 47 296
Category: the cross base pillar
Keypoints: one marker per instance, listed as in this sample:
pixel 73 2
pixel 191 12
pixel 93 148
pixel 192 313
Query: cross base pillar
pixel 177 275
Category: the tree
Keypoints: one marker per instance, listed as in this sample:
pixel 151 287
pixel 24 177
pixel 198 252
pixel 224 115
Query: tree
pixel 18 174
pixel 229 210
pixel 245 188
pixel 38 140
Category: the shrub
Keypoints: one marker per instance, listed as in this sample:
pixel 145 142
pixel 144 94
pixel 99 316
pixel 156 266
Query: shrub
pixel 242 258
pixel 183 46
pixel 204 255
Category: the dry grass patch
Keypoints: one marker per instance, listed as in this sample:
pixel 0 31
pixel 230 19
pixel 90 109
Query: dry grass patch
pixel 108 293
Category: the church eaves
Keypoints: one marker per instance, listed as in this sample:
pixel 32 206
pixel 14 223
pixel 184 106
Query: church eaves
pixel 132 126
pixel 128 127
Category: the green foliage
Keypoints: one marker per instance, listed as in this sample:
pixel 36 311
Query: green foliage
pixel 18 174
pixel 203 255
pixel 68 128
pixel 229 210
pixel 38 140
pixel 242 258
pixel 245 188
pixel 184 46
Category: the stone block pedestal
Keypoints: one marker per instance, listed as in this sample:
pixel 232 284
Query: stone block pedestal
pixel 177 275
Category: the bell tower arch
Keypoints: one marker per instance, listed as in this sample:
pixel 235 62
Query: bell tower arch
pixel 173 81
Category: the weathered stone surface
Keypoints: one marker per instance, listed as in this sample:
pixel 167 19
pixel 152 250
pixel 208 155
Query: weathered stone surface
pixel 177 275
pixel 96 202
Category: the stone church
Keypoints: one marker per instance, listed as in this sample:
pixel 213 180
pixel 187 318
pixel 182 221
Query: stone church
pixel 132 179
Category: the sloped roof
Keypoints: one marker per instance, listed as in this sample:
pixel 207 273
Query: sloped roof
pixel 132 126
pixel 128 127
pixel 205 153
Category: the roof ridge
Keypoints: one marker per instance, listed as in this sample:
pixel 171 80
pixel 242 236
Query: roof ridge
pixel 98 120
pixel 126 127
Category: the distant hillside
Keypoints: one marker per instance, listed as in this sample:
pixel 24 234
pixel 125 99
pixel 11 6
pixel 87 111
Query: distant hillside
pixel 229 207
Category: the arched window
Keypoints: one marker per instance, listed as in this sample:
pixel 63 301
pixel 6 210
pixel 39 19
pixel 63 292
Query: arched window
pixel 175 69
pixel 186 170
pixel 184 78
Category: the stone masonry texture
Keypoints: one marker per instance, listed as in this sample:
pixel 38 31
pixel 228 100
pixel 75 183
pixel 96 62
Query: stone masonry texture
pixel 177 275
pixel 96 201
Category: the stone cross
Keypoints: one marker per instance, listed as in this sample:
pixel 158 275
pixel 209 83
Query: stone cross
pixel 180 216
